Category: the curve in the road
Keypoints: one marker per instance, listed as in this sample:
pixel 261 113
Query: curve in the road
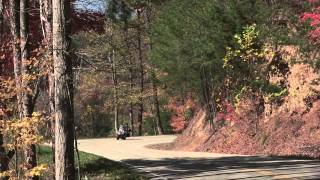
pixel 161 164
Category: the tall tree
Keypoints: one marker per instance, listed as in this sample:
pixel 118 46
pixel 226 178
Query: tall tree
pixel 156 104
pixel 4 160
pixel 154 79
pixel 141 70
pixel 63 75
pixel 14 6
pixel 46 22
pixel 1 27
pixel 121 13
pixel 27 96
pixel 199 54
pixel 112 61
pixel 125 12
pixel 16 53
pixel 130 64
pixel 1 17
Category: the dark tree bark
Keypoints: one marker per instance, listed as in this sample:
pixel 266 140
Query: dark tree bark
pixel 14 6
pixel 1 18
pixel 63 75
pixel 156 105
pixel 131 104
pixel 1 27
pixel 130 78
pixel 208 95
pixel 27 97
pixel 16 53
pixel 5 157
pixel 140 56
pixel 78 153
pixel 46 19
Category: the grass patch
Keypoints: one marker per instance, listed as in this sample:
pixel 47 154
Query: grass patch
pixel 92 167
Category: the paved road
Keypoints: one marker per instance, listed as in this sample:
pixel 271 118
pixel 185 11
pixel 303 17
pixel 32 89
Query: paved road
pixel 196 165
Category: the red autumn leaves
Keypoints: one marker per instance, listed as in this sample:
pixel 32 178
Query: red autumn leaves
pixel 313 19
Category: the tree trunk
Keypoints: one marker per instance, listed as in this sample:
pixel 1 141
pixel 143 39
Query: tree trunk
pixel 112 61
pixel 52 108
pixel 1 19
pixel 1 28
pixel 14 6
pixel 4 160
pixel 27 97
pixel 140 106
pixel 158 124
pixel 63 75
pixel 130 78
pixel 16 53
pixel 116 118
pixel 46 18
pixel 46 21
pixel 78 153
pixel 208 95
pixel 131 104
pixel 156 105
pixel 5 157
pixel 92 123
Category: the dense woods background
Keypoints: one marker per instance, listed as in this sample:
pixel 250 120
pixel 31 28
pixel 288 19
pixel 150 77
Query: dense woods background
pixel 239 76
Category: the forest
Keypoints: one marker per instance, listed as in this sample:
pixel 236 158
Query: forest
pixel 233 76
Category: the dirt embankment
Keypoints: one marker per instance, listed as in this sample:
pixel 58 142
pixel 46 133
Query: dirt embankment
pixel 290 135
pixel 289 129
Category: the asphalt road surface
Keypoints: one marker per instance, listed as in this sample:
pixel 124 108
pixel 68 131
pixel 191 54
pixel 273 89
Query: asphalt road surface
pixel 158 164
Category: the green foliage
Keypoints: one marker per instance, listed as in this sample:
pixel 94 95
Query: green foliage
pixel 246 66
pixel 189 36
pixel 278 24
pixel 272 92
pixel 188 114
pixel 239 95
pixel 165 119
pixel 120 11
pixel 92 114
pixel 277 96
pixel 245 61
pixel 265 86
pixel 149 125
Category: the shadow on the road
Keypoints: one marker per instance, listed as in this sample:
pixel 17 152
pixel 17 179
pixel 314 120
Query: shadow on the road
pixel 230 168
pixel 130 139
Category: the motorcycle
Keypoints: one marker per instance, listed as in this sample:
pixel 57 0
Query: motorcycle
pixel 123 133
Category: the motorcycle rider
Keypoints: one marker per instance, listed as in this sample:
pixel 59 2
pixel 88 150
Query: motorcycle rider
pixel 121 130
pixel 121 133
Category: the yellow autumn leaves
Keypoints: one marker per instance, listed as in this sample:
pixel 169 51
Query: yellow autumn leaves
pixel 23 132
pixel 36 171
pixel 246 50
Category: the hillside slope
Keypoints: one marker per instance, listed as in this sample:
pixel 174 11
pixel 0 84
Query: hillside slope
pixel 291 128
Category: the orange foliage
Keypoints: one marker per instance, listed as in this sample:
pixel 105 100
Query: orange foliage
pixel 178 120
